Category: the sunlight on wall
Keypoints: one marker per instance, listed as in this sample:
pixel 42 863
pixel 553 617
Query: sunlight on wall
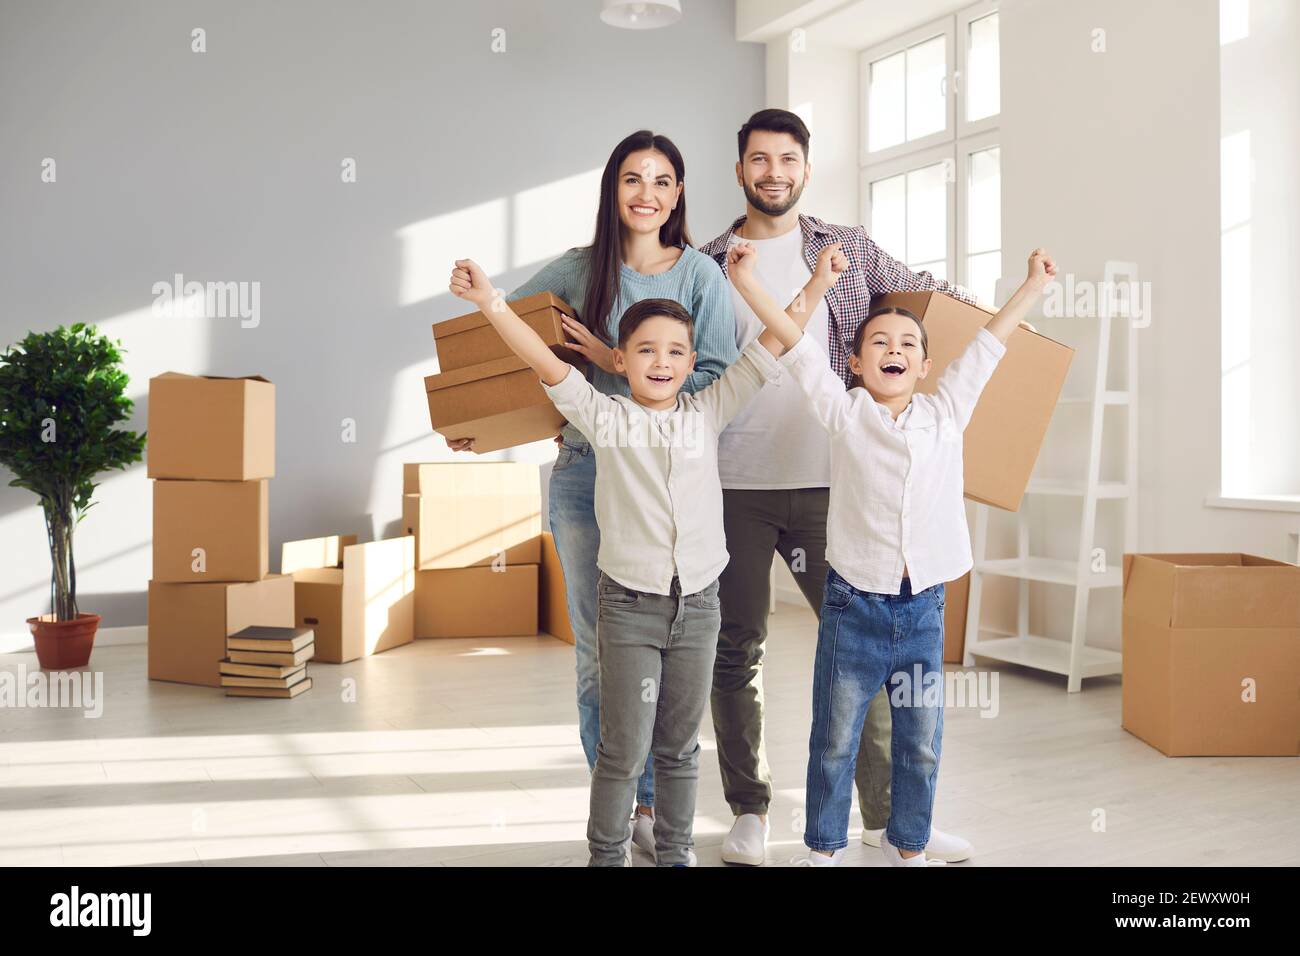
pixel 551 218
pixel 429 247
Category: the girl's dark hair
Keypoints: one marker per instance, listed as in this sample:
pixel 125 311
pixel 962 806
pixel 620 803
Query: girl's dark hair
pixel 774 121
pixel 606 249
pixel 860 335
pixel 639 312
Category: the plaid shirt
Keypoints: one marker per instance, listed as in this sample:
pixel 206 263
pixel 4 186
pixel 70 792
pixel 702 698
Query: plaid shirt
pixel 871 271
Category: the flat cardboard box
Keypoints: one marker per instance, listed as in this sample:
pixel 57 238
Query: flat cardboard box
pixel 365 607
pixel 1212 654
pixel 471 514
pixel 499 404
pixel 1006 432
pixel 476 602
pixel 553 603
pixel 956 596
pixel 228 520
pixel 189 623
pixel 206 427
pixel 326 552
pixel 471 339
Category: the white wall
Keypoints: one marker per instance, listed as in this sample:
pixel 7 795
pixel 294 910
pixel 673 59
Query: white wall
pixel 225 166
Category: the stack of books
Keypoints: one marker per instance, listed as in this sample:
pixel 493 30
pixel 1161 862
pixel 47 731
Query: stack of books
pixel 268 662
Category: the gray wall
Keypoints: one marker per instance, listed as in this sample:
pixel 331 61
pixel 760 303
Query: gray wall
pixel 225 166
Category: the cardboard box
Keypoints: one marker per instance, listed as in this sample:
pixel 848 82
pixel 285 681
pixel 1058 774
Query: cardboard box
pixel 189 623
pixel 1212 654
pixel 499 404
pixel 956 597
pixel 209 427
pixel 1006 432
pixel 364 607
pixel 476 602
pixel 228 520
pixel 471 339
pixel 324 552
pixel 553 603
pixel 467 514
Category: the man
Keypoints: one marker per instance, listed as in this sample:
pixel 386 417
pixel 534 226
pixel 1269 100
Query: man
pixel 774 461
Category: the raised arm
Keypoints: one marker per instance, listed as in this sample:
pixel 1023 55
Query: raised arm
pixel 470 282
pixel 783 329
pixel 1042 268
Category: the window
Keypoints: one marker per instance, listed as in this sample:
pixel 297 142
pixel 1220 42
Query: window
pixel 931 170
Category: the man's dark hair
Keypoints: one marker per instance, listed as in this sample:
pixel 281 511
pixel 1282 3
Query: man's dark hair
pixel 774 121
pixel 639 312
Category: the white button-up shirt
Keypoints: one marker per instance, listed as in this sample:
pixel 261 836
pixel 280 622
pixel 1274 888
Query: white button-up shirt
pixel 658 497
pixel 896 484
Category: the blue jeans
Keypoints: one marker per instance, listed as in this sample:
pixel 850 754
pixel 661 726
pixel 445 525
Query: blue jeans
pixel 865 640
pixel 572 515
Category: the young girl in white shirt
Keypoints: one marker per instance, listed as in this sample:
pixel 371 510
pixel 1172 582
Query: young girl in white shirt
pixel 895 532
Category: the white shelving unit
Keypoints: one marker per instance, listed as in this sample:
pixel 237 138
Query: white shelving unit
pixel 1074 658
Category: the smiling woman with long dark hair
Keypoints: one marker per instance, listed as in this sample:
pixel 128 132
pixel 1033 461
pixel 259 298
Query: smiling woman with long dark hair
pixel 641 250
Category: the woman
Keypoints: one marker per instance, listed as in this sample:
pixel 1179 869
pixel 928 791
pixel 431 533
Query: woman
pixel 641 250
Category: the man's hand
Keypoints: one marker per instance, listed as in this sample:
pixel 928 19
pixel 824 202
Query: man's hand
pixel 470 282
pixel 831 261
pixel 1042 269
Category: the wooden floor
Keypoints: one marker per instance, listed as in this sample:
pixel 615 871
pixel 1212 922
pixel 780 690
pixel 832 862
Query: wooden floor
pixel 465 752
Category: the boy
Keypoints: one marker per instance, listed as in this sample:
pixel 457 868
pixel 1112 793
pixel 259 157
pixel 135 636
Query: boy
pixel 659 508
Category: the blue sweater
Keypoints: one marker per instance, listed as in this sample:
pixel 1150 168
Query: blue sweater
pixel 695 281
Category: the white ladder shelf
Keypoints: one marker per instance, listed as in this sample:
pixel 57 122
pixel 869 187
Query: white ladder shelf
pixel 1074 658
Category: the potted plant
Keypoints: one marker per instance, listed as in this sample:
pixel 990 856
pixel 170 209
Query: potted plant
pixel 61 394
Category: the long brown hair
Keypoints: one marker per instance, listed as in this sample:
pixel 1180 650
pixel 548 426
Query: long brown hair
pixel 605 254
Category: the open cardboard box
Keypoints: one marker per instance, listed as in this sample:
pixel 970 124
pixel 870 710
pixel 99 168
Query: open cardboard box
pixel 1212 654
pixel 471 339
pixel 1006 432
pixel 189 623
pixel 209 427
pixel 360 604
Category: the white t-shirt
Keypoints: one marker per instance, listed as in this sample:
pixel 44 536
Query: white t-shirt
pixel 776 441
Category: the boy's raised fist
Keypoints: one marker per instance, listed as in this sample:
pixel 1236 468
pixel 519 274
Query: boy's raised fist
pixel 470 282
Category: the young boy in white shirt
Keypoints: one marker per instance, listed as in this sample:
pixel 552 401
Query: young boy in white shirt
pixel 659 508
pixel 896 531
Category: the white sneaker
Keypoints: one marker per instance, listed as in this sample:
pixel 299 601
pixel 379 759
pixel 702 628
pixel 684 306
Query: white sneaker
pixel 643 833
pixel 747 841
pixel 895 858
pixel 821 859
pixel 942 846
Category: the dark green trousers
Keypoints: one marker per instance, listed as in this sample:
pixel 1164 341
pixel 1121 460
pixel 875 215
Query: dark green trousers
pixel 793 524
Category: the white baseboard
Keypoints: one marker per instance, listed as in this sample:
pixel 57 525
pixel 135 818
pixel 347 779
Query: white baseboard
pixel 18 642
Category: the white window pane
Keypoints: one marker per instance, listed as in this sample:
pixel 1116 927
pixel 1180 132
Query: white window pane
pixel 980 84
pixel 926 90
pixel 885 113
pixel 983 200
pixel 927 213
pixel 982 274
pixel 889 214
pixel 938 268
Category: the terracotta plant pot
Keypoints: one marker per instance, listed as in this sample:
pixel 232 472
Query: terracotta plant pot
pixel 63 645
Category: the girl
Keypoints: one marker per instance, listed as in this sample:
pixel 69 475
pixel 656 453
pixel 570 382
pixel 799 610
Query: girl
pixel 641 250
pixel 896 531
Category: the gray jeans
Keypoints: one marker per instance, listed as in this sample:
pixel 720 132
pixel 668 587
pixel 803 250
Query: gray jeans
pixel 656 655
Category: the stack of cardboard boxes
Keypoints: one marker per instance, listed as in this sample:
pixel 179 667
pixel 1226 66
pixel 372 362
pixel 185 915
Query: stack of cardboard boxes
pixel 211 453
pixel 484 391
pixel 476 529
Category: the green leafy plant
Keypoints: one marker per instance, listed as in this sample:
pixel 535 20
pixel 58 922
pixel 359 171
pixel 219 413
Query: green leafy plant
pixel 61 393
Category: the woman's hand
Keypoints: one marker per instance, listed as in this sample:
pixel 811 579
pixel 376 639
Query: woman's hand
pixel 1042 269
pixel 585 343
pixel 470 282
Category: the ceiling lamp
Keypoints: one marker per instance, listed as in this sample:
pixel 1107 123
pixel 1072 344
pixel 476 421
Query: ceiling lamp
pixel 641 14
